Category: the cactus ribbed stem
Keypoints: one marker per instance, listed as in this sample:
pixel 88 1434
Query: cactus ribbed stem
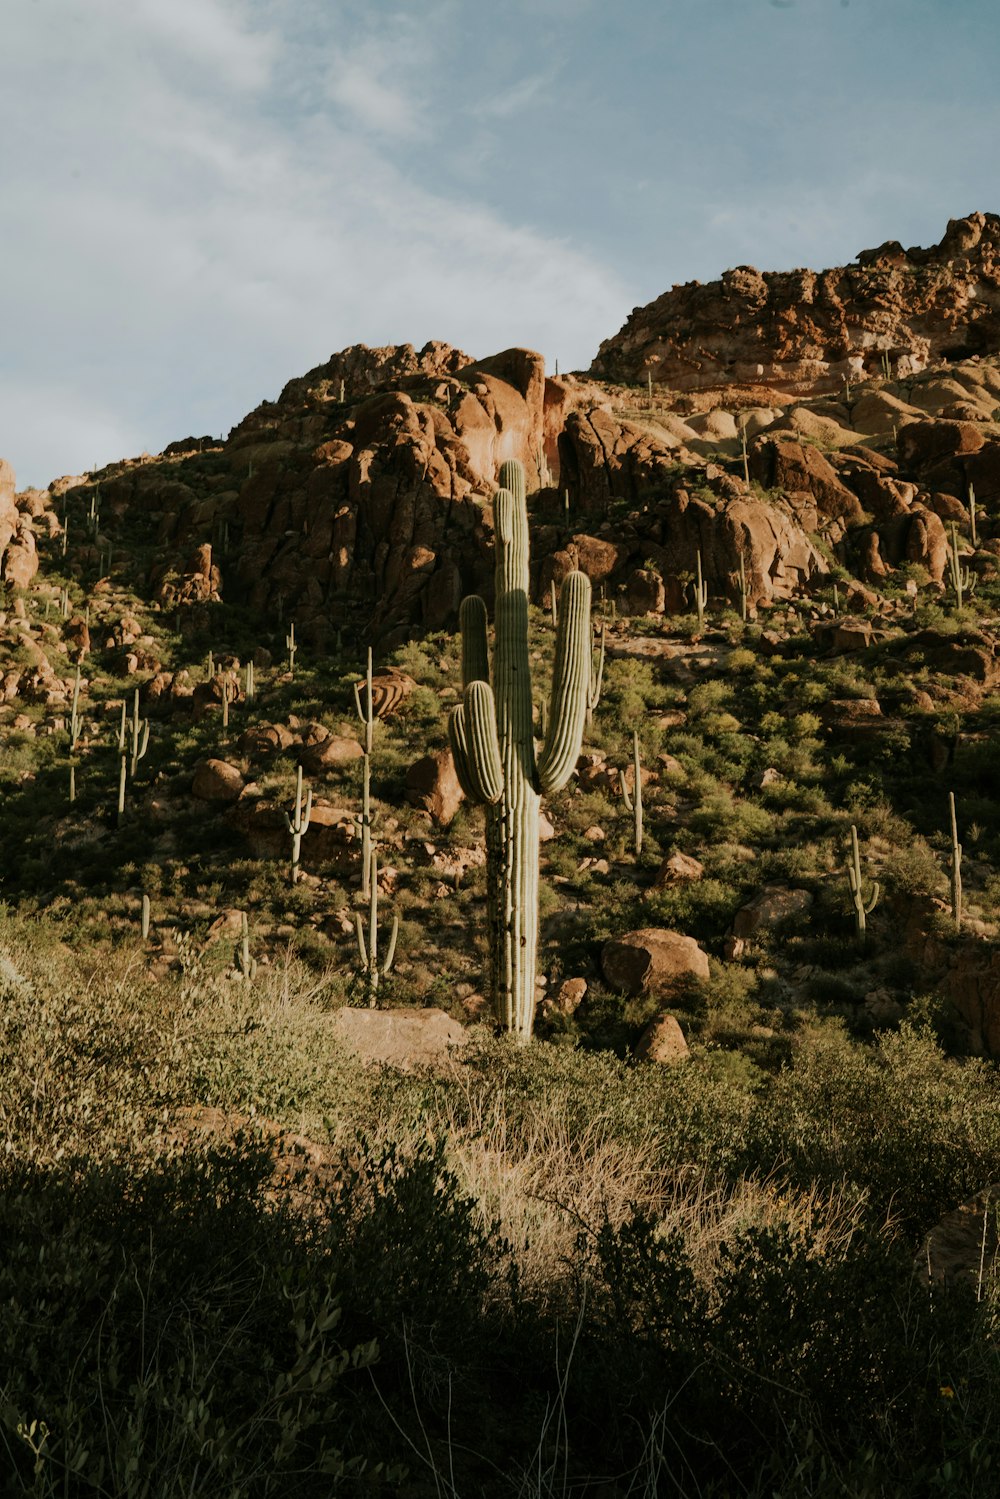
pixel 633 803
pixel 492 739
pixel 368 952
pixel 955 866
pixel 862 908
pixel 299 825
pixel 366 713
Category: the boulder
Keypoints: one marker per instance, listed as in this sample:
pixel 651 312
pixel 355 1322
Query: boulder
pixel 432 785
pixel 217 781
pixel 663 1041
pixel 769 907
pixel 652 960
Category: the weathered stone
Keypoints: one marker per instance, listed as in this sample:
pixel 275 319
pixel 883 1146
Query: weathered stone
pixel 769 907
pixel 678 869
pixel 217 781
pixel 663 1041
pixel 652 960
pixel 432 784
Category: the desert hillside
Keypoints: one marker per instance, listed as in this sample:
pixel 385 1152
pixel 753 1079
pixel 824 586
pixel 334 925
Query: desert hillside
pixel 248 1043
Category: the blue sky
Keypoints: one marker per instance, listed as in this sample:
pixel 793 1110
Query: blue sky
pixel 204 198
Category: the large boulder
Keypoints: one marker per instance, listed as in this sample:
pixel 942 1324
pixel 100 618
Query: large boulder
pixel 432 785
pixel 652 960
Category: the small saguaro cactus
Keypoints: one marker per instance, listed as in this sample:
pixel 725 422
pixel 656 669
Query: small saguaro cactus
pixel 963 579
pixel 291 647
pixel 230 692
pixel 245 965
pixel 75 721
pixel 144 918
pixel 955 866
pixel 366 711
pixel 493 743
pixel 366 820
pixel 368 952
pixel 971 494
pixel 862 908
pixel 700 593
pixel 744 595
pixel 250 688
pixel 139 730
pixel 298 825
pixel 633 803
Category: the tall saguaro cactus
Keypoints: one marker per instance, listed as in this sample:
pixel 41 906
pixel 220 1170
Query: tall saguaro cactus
pixel 493 743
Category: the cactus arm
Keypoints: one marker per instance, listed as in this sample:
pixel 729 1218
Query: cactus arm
pixel 571 684
pixel 366 713
pixel 475 647
pixel 484 762
pixel 391 949
pixel 362 950
pixel 597 674
pixel 511 522
pixel 458 739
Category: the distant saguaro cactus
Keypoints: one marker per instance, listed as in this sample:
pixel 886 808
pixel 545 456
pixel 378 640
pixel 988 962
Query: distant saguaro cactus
pixel 493 744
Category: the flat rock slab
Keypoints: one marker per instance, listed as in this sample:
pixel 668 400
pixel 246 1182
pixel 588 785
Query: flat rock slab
pixel 400 1038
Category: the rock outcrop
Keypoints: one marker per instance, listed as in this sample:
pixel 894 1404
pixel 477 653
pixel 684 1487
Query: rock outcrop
pixel 804 331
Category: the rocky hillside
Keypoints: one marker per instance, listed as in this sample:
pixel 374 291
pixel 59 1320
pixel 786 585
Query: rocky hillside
pixel 891 310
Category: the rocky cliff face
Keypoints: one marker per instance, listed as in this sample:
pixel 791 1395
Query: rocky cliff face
pixel 805 331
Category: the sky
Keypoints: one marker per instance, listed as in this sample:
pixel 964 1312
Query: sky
pixel 205 198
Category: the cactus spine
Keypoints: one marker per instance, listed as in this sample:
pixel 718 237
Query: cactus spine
pixel 955 866
pixel 862 909
pixel 633 803
pixel 493 744
pixel 368 952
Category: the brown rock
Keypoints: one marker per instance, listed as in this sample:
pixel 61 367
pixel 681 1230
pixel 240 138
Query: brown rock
pixel 399 1038
pixel 769 907
pixel 566 998
pixel 663 1041
pixel 678 869
pixel 652 961
pixel 432 785
pixel 217 781
pixel 805 330
pixel 263 739
pixel 328 753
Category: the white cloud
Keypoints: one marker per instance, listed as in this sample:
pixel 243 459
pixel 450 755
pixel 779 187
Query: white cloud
pixel 189 234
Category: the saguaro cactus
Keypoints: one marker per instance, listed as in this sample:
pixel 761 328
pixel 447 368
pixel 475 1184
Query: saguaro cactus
pixel 862 908
pixel 298 825
pixel 368 951
pixel 633 803
pixel 494 747
pixel 955 866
